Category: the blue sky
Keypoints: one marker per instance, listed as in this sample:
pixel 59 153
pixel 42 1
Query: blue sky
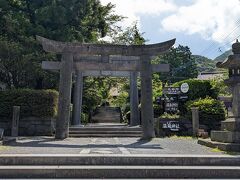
pixel 208 27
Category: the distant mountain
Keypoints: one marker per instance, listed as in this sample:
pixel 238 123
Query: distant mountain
pixel 204 64
pixel 223 56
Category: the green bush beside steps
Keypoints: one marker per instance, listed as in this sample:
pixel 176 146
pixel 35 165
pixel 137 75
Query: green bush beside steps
pixel 211 111
pixel 199 89
pixel 33 103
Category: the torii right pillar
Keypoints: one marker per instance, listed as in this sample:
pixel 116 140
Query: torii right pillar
pixel 146 98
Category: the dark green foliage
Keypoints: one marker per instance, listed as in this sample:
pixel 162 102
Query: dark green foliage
pixel 198 88
pixel 130 36
pixel 211 111
pixel 91 99
pixel 95 90
pixel 63 20
pixel 20 66
pixel 33 103
pixel 182 64
pixel 158 110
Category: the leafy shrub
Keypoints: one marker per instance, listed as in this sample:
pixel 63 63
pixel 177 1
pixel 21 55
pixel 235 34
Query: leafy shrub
pixel 198 89
pixel 120 100
pixel 169 116
pixel 220 87
pixel 211 111
pixel 91 99
pixel 33 103
pixel 158 110
pixel 84 118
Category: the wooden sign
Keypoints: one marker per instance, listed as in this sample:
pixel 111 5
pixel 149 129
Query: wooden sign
pixel 171 106
pixel 171 125
pixel 171 90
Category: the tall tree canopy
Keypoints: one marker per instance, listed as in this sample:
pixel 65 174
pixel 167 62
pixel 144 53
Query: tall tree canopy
pixel 182 64
pixel 64 20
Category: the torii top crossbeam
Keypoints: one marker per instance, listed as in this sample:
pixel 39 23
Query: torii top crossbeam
pixel 106 49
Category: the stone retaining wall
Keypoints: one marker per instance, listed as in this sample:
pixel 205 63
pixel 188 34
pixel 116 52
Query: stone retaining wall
pixel 30 126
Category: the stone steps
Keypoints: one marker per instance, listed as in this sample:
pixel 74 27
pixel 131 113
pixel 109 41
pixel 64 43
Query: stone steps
pixel 122 129
pixel 118 166
pixel 105 135
pixel 119 172
pixel 107 114
pixel 105 131
pixel 119 159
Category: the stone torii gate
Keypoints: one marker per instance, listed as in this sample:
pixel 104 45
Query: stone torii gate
pixel 72 52
pixel 78 88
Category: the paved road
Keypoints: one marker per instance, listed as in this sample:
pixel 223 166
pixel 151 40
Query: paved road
pixel 47 145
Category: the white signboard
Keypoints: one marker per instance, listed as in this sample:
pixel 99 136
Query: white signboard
pixel 184 88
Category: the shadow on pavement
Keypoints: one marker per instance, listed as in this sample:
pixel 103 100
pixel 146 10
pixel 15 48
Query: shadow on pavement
pixel 51 142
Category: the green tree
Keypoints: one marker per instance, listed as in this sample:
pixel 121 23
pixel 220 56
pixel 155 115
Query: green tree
pixel 64 20
pixel 182 65
pixel 130 36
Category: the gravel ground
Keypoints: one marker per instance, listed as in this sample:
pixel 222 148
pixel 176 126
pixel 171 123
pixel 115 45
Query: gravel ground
pixel 47 145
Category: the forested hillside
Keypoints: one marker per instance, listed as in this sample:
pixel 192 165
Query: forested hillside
pixel 204 64
pixel 223 56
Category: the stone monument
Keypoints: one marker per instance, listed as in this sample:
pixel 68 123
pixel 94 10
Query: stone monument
pixel 228 138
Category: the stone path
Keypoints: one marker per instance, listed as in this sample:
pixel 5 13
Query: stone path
pixel 48 145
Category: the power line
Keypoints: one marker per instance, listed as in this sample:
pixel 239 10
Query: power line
pixel 226 45
pixel 237 22
pixel 212 46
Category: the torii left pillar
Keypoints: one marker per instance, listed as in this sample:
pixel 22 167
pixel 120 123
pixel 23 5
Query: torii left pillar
pixel 65 85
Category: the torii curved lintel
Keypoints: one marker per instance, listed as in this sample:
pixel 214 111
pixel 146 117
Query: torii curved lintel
pixel 106 49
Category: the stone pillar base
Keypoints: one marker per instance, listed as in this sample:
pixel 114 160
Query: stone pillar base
pixel 231 124
pixel 220 145
pixel 225 136
pixel 228 139
pixel 230 132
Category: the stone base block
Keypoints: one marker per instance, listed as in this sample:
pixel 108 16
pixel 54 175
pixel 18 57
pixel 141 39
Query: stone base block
pixel 234 147
pixel 30 126
pixel 8 140
pixel 225 136
pixel 230 124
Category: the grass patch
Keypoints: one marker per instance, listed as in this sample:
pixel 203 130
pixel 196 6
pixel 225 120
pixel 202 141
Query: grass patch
pixel 225 152
pixel 3 148
pixel 232 153
pixel 182 137
pixel 216 150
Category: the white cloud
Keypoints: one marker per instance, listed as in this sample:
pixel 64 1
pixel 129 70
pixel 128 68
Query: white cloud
pixel 213 19
pixel 132 9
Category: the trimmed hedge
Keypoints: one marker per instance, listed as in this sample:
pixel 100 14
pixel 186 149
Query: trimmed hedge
pixel 211 111
pixel 198 89
pixel 33 103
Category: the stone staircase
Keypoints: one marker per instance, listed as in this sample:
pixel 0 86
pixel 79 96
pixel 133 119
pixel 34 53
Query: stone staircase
pixel 106 114
pixel 118 166
pixel 105 130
